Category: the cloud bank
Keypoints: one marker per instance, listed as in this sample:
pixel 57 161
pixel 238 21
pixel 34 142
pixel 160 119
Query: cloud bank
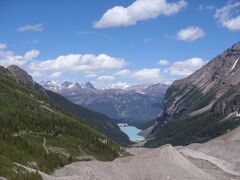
pixel 31 27
pixel 229 16
pixel 186 67
pixel 139 10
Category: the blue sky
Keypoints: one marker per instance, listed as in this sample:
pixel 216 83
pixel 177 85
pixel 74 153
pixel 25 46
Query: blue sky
pixel 115 46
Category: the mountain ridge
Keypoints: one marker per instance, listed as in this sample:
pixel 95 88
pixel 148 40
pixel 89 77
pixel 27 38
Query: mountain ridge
pixel 96 120
pixel 36 132
pixel 131 104
pixel 197 96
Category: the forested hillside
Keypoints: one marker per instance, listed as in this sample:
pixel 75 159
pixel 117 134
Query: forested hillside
pixel 36 133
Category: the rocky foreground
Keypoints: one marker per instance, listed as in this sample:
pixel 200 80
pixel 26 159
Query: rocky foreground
pixel 217 159
pixel 161 163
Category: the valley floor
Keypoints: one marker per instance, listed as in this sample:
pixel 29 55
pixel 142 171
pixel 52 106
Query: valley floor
pixel 217 159
pixel 164 163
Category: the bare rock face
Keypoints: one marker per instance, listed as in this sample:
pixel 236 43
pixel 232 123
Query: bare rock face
pixel 228 103
pixel 205 90
pixel 89 85
pixel 21 76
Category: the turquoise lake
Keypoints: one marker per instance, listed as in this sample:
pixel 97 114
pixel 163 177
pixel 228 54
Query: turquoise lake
pixel 132 133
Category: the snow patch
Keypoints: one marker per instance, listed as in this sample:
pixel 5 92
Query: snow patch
pixel 235 64
pixel 72 85
pixel 231 115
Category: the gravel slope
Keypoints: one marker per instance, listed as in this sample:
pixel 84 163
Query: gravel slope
pixel 217 159
pixel 224 151
pixel 164 163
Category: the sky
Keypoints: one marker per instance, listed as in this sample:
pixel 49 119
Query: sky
pixel 115 43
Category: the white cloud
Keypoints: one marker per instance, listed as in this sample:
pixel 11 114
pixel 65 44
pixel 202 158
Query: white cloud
pixel 86 64
pixel 56 75
pixel 187 67
pixel 138 11
pixel 8 58
pixel 31 54
pixel 229 15
pixel 105 78
pixel 33 27
pixel 3 46
pixel 163 62
pixel 90 75
pixel 190 34
pixel 206 7
pixel 124 72
pixel 36 74
pixel 119 85
pixel 147 74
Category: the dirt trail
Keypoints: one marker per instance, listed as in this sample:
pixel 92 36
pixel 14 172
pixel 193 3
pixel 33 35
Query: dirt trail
pixel 44 145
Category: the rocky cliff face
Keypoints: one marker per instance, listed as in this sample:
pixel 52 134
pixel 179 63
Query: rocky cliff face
pixel 198 92
pixel 229 103
pixel 21 76
pixel 208 95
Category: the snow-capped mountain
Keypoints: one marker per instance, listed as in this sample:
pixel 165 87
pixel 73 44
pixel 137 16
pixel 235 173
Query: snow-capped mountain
pixel 134 103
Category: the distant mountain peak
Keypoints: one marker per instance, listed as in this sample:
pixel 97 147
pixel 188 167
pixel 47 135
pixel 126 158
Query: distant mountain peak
pixel 137 103
pixel 66 83
pixel 89 85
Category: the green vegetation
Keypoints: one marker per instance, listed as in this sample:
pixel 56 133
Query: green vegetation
pixel 184 129
pixel 198 129
pixel 27 117
pixel 12 172
pixel 95 119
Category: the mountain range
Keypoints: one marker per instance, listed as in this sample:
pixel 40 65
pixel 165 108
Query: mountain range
pixel 203 105
pixel 139 103
pixel 44 131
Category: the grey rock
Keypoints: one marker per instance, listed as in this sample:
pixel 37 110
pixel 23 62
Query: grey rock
pixel 21 76
pixel 205 90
